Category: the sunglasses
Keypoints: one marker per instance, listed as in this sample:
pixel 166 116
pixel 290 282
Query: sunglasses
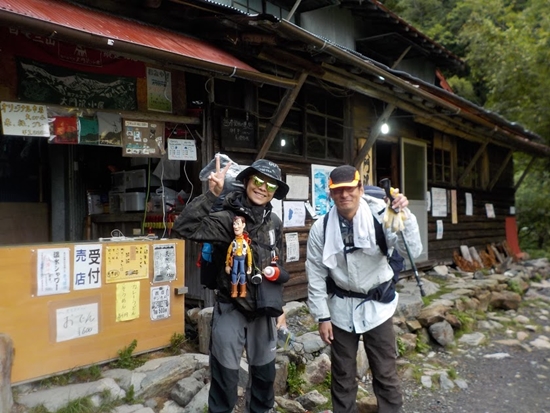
pixel 259 182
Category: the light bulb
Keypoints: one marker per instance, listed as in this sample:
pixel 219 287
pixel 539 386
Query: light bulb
pixel 384 128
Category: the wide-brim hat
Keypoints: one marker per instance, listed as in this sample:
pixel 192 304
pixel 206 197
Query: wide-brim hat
pixel 270 170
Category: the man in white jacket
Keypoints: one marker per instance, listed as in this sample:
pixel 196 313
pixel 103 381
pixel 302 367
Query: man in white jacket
pixel 350 287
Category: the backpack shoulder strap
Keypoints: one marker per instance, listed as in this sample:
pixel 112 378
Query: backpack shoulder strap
pixel 378 230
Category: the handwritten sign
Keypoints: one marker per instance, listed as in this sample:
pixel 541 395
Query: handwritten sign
pixel 127 301
pixel 160 302
pixel 126 262
pixel 21 119
pixel 76 322
pixel 240 133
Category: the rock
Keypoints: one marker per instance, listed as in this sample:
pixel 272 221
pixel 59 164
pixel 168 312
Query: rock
pixel 6 361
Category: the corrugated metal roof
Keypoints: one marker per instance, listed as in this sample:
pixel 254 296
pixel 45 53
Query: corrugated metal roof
pixel 100 24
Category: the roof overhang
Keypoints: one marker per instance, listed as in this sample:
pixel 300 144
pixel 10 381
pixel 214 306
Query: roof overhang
pixel 76 23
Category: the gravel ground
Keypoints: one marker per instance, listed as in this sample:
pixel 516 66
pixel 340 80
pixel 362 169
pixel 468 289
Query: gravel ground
pixel 516 383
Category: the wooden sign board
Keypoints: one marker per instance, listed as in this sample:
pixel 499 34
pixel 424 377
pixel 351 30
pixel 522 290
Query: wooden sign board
pixel 56 328
pixel 238 132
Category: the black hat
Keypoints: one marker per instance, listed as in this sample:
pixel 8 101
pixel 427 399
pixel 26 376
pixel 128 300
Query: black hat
pixel 269 169
pixel 344 176
pixel 375 191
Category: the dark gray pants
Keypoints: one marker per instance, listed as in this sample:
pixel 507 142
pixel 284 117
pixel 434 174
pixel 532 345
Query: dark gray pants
pixel 381 353
pixel 231 333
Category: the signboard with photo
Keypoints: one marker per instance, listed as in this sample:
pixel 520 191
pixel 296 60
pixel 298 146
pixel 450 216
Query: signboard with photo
pixel 140 138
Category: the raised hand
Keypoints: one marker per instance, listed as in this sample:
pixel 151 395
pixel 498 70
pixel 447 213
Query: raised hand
pixel 217 179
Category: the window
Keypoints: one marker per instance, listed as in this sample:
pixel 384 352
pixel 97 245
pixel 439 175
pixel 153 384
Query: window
pixel 466 151
pixel 440 160
pixel 313 128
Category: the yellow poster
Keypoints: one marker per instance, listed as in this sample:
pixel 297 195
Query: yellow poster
pixel 127 301
pixel 126 262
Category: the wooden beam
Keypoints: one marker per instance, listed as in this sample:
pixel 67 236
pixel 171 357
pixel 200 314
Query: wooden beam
pixel 500 170
pixel 524 174
pixel 280 114
pixel 472 162
pixel 373 135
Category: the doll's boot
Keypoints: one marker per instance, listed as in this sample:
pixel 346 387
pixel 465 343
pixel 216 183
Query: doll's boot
pixel 242 290
pixel 233 290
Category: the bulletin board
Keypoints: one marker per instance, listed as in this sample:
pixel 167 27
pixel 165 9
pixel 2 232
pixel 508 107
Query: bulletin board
pixel 64 308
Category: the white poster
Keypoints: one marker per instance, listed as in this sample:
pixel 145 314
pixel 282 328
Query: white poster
pixel 439 202
pixel 160 302
pixel 490 210
pixel 319 188
pixel 53 271
pixel 299 186
pixel 87 266
pixel 295 214
pixel 159 90
pixel 439 224
pixel 469 204
pixel 182 150
pixel 164 259
pixel 22 119
pixel 277 208
pixel 292 247
pixel 76 322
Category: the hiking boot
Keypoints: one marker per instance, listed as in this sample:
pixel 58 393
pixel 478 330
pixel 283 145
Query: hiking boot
pixel 233 290
pixel 242 290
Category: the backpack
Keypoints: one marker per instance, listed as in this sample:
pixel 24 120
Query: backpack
pixel 396 261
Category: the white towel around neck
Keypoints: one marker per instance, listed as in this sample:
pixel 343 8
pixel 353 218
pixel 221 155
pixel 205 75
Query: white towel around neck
pixel 364 236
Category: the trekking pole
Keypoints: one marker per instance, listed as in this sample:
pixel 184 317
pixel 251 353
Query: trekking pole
pixel 385 184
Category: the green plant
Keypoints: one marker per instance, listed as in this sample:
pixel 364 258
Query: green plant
pixel 401 347
pixel 421 346
pixel 294 380
pixel 451 372
pixel 513 285
pixel 39 409
pixel 126 360
pixel 88 374
pixel 82 405
pixel 176 341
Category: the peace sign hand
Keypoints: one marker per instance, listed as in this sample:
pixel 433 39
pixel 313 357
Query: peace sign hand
pixel 217 179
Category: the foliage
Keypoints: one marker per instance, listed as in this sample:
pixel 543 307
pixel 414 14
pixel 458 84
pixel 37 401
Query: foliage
pixel 401 347
pixel 176 342
pixel 514 286
pixel 421 345
pixel 126 360
pixel 84 375
pixel 294 380
pixel 506 44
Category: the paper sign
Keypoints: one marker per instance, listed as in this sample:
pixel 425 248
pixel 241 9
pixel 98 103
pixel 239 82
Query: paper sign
pixel 182 150
pixel 292 247
pixel 439 225
pixel 439 202
pixel 160 302
pixel 164 262
pixel 127 301
pixel 490 210
pixel 87 266
pixel 53 271
pixel 295 214
pixel 299 187
pixel 469 204
pixel 126 262
pixel 22 119
pixel 76 322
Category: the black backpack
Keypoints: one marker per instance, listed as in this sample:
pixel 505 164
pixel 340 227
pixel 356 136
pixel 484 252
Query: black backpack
pixel 396 261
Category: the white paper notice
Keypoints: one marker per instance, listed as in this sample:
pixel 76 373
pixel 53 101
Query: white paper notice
pixel 164 264
pixel 299 187
pixel 439 202
pixel 160 302
pixel 490 210
pixel 439 234
pixel 292 247
pixel 295 214
pixel 311 210
pixel 428 201
pixel 277 208
pixel 469 204
pixel 53 271
pixel 182 150
pixel 87 266
pixel 76 322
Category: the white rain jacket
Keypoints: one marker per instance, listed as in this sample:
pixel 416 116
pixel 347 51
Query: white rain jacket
pixel 357 272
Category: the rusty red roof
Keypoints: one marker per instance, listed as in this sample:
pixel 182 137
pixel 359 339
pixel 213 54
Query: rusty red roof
pixel 118 29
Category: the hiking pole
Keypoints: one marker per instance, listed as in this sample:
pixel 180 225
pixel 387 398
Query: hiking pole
pixel 385 184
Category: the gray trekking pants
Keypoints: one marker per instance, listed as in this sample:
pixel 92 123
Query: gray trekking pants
pixel 231 333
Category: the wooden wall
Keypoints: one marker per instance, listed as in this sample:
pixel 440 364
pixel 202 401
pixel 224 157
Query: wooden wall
pixel 474 231
pixel 30 319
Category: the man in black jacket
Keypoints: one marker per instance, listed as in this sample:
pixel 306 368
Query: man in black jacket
pixel 242 321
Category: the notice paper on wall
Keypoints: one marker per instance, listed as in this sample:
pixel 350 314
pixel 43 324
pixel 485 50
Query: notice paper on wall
pixel 87 266
pixel 53 271
pixel 127 301
pixel 292 247
pixel 76 322
pixel 182 150
pixel 160 302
